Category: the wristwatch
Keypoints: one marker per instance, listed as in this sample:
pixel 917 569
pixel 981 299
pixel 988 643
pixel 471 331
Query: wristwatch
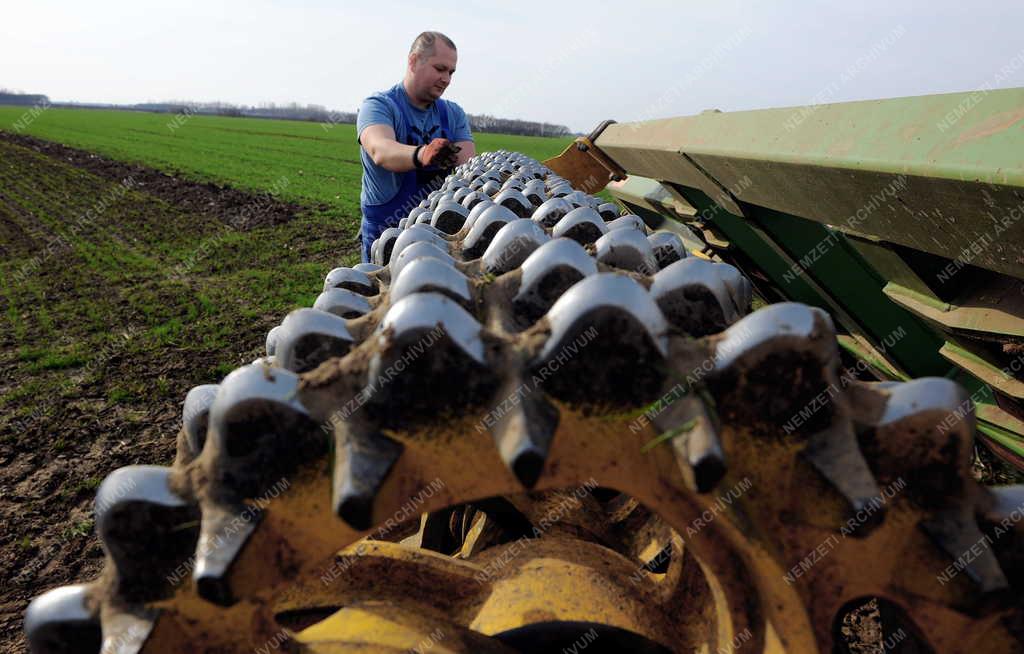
pixel 416 156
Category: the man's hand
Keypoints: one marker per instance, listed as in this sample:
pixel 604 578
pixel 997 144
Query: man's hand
pixel 439 152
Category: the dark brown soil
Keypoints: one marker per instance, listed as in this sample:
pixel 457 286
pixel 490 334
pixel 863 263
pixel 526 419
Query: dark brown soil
pixel 240 209
pixel 122 406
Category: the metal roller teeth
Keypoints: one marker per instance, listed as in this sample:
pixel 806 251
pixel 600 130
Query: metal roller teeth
pixel 515 201
pixel 609 211
pixel 415 315
pixel 936 461
pixel 402 224
pixel 477 184
pixel 491 188
pixel 624 333
pixel 515 183
pixel 535 187
pixel 512 245
pixel 454 183
pixel 524 434
pixel 473 198
pixel 449 217
pixel 553 210
pixel 256 425
pixel 271 346
pixel 342 303
pixel 145 529
pixel 195 418
pixel 583 225
pixel 560 190
pixel 367 267
pixel 783 346
pixel 308 337
pixel 418 250
pixel 668 248
pixel 693 296
pixel 380 251
pixel 629 221
pixel 416 234
pixel 361 464
pixel 548 273
pixel 627 249
pixel 351 279
pixel 413 215
pixel 492 219
pixel 474 213
pixel 424 218
pixel 461 194
pixel 428 274
pixel 438 198
pixel 581 199
pixel 424 340
pixel 60 622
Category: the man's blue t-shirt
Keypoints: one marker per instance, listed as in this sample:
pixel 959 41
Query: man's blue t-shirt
pixel 380 184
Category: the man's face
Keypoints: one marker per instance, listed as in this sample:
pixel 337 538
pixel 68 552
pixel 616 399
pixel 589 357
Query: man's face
pixel 432 75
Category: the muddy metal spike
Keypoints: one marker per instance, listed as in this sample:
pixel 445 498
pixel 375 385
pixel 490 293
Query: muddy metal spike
pixel 424 218
pixel 342 303
pixel 380 249
pixel 491 187
pixel 935 465
pixel 696 443
pixel 137 515
pixel 628 249
pixel 668 248
pixel 418 250
pixel 523 434
pixel 415 234
pixel 195 415
pixel 603 291
pixel 415 315
pixel 484 228
pixel 308 337
pixel 60 621
pixel 449 217
pixel 512 244
pixel 609 211
pixel 474 213
pixel 361 464
pixel 272 340
pixel 436 198
pixel 351 279
pixel 548 273
pixel 367 268
pixel 693 295
pixel 474 198
pixel 515 201
pixel 461 193
pixel 428 274
pixel 583 225
pixel 629 221
pixel 551 211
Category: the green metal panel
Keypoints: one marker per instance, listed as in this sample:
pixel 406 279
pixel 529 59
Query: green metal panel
pixel 836 266
pixel 934 173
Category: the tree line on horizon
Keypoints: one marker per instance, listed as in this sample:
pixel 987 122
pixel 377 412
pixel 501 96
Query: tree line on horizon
pixel 291 111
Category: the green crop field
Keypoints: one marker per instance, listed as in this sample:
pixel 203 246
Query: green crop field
pixel 320 162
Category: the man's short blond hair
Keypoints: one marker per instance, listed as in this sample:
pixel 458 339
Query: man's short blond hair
pixel 424 44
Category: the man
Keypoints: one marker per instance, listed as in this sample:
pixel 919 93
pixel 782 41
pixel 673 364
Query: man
pixel 410 137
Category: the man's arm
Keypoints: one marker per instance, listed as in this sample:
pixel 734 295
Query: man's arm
pixel 467 151
pixel 379 142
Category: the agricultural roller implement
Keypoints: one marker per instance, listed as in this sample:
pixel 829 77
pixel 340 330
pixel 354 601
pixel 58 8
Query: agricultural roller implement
pixel 536 423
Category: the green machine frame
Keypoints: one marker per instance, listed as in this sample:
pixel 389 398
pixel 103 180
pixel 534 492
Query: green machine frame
pixel 901 217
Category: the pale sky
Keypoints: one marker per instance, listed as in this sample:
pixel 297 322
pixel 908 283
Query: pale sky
pixel 574 63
